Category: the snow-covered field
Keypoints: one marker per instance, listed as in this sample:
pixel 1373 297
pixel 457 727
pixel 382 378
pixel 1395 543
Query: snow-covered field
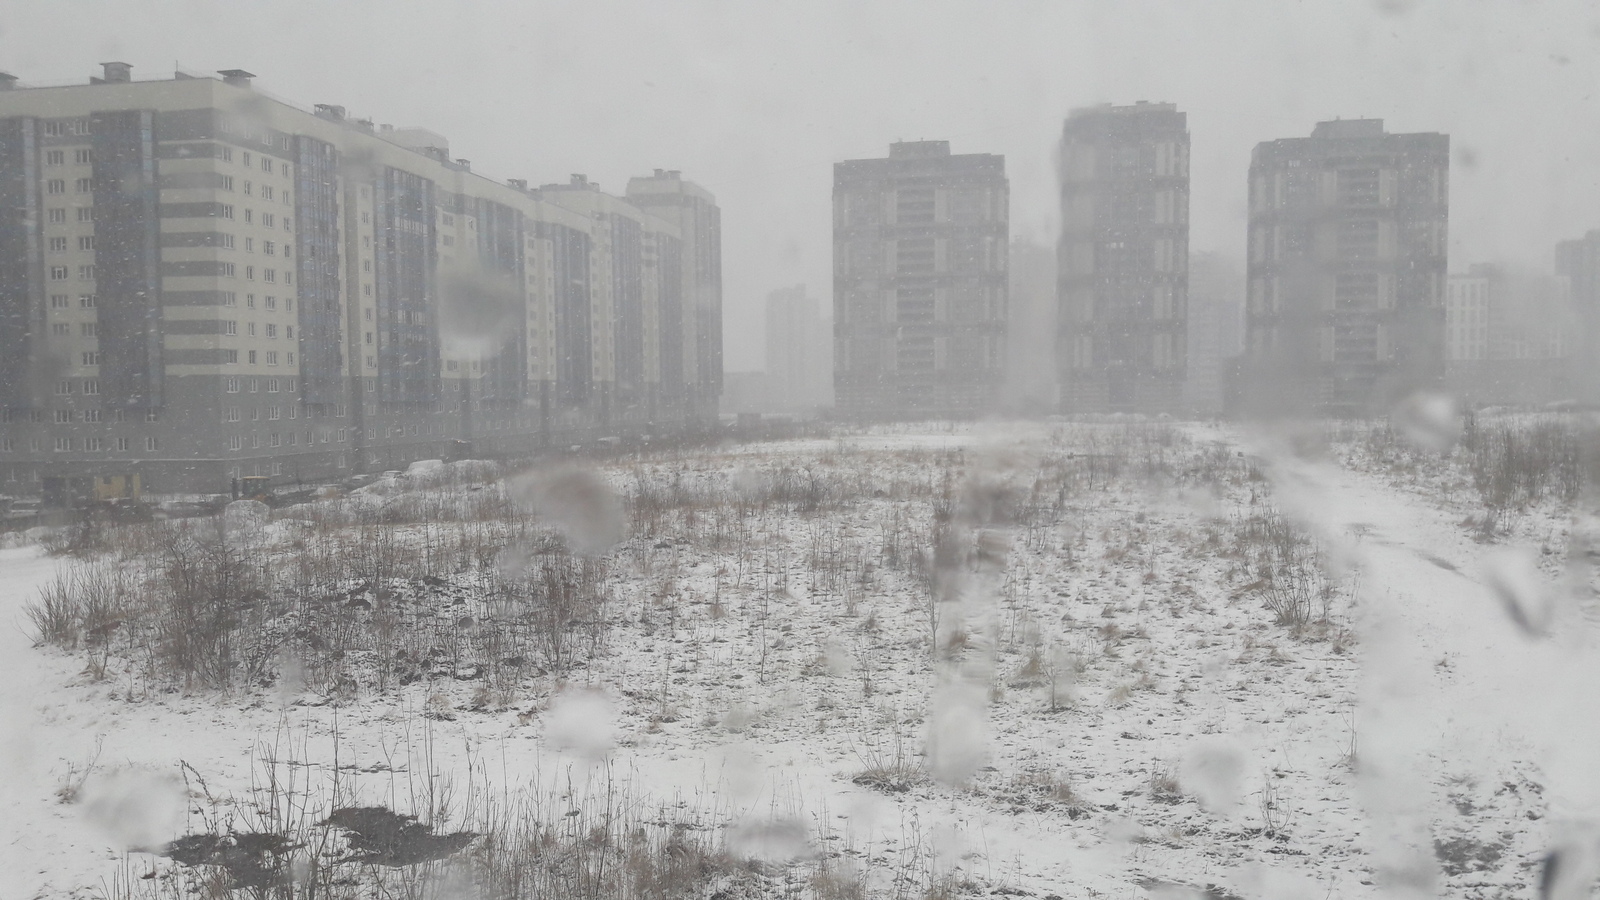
pixel 1026 659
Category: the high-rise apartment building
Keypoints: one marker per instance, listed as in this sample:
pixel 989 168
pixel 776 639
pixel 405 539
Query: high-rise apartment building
pixel 1216 328
pixel 919 255
pixel 1123 260
pixel 799 375
pixel 1578 262
pixel 1507 336
pixel 198 283
pixel 1346 296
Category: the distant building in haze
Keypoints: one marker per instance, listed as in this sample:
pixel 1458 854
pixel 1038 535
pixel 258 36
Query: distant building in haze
pixel 1347 237
pixel 1507 336
pixel 799 352
pixel 920 259
pixel 1578 262
pixel 1123 261
pixel 1216 328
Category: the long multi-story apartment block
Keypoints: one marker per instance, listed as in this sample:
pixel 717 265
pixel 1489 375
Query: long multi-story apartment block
pixel 920 243
pixel 1123 260
pixel 199 282
pixel 1345 308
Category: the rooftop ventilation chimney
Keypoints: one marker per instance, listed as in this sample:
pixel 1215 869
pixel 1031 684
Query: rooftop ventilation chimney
pixel 465 164
pixel 365 125
pixel 7 81
pixel 660 172
pixel 520 184
pixel 236 77
pixel 117 72
pixel 578 179
pixel 330 111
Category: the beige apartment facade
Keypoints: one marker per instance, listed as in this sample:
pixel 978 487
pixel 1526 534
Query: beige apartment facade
pixel 200 283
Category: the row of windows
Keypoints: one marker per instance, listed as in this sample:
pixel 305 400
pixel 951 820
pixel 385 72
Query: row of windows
pixel 82 157
pixel 266 162
pixel 58 215
pixel 234 384
pixel 68 416
pixel 87 445
pixel 63 301
pixel 292 438
pixel 273 413
pixel 231 327
pixel 59 186
pixel 59 244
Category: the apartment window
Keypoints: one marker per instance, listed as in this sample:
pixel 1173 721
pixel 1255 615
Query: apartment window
pixel 58 245
pixel 56 186
pixel 78 126
pixel 235 443
pixel 122 444
pixel 91 358
pixel 250 329
pixel 229 298
pixel 272 357
pixel 288 278
pixel 266 192
pixel 227 211
pixel 91 415
pixel 268 220
pixel 83 157
pixel 58 301
pixel 231 384
pixel 152 444
pixel 249 245
pixel 369 337
pixel 55 158
pixel 85 214
pixel 448 240
pixel 366 265
pixel 227 154
pixel 227 183
pixel 86 273
pixel 272 330
pixel 292 437
pixel 86 242
pixel 255 385
pixel 288 304
pixel 270 276
pixel 58 273
pixel 63 387
pixel 272 441
pixel 58 216
pixel 88 301
pixel 273 413
pixel 61 329
pixel 252 357
pixel 63 417
pixel 84 185
pixel 249 301
pixel 151 415
pixel 293 412
pixel 272 385
pixel 54 129
pixel 270 301
pixel 247 188
pixel 230 326
pixel 89 329
pixel 288 223
pixel 228 270
pixel 266 165
pixel 250 273
pixel 269 248
pixel 342 437
pixel 227 241
pixel 93 445
pixel 8 445
pixel 290 359
pixel 245 158
pixel 230 357
pixel 63 444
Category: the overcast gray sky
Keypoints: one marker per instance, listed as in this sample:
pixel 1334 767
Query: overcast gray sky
pixel 757 100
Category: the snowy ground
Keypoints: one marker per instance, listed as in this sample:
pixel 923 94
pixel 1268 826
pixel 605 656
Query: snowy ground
pixel 1098 707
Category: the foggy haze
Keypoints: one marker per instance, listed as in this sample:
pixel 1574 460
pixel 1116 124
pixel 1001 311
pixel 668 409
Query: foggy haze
pixel 758 101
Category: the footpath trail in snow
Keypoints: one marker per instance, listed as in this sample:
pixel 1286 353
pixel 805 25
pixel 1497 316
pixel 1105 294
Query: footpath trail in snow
pixel 1469 727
